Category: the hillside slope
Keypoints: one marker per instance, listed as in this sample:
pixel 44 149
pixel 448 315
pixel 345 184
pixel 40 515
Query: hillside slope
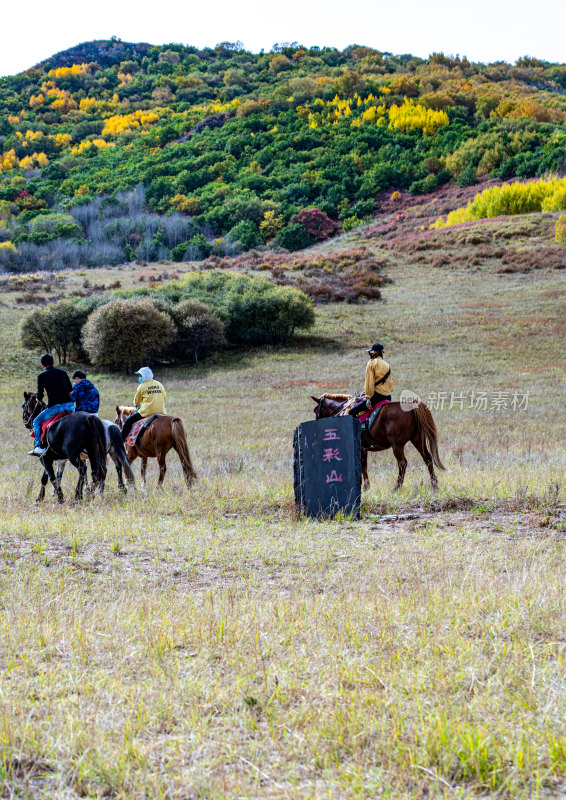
pixel 112 151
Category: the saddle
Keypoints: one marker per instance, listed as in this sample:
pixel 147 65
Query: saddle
pixel 368 418
pixel 48 423
pixel 139 427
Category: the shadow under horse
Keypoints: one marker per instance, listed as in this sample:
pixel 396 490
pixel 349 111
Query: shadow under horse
pixel 66 439
pixel 161 435
pixel 393 428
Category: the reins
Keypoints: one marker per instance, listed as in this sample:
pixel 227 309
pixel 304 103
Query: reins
pixel 30 414
pixel 335 412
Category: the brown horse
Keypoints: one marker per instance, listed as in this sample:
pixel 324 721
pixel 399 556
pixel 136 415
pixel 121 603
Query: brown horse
pixel 155 441
pixel 394 427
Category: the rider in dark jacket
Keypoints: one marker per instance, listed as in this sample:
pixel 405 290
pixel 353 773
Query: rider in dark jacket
pixel 58 387
pixel 85 394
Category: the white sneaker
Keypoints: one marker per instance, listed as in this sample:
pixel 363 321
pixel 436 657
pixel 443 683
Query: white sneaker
pixel 38 451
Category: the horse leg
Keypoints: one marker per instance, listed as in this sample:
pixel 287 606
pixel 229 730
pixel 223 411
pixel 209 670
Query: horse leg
pixel 162 468
pixel 118 466
pixel 61 464
pixel 426 457
pixel 143 472
pixel 81 466
pixel 84 459
pixel 44 479
pixel 399 453
pixel 366 483
pixel 48 467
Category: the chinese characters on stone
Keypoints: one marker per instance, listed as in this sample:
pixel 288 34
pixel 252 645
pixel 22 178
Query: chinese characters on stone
pixel 330 454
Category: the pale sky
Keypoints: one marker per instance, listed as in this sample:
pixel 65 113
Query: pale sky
pixel 483 30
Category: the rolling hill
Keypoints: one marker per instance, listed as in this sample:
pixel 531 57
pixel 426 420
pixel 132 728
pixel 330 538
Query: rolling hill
pixel 112 151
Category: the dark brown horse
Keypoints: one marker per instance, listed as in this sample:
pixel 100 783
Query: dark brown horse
pixel 155 441
pixel 68 438
pixel 394 427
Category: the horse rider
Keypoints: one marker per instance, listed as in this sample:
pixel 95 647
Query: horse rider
pixel 56 383
pixel 85 394
pixel 149 400
pixel 378 381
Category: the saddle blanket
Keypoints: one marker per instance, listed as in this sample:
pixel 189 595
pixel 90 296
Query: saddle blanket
pixel 367 414
pixel 139 427
pixel 49 422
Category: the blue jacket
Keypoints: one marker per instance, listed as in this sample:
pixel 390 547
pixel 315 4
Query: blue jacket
pixel 85 396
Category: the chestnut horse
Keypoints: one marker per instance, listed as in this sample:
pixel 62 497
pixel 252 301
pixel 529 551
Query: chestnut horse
pixel 394 427
pixel 155 441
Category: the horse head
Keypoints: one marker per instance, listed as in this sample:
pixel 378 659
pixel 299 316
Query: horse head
pixel 122 413
pixel 331 405
pixel 31 407
pixel 316 409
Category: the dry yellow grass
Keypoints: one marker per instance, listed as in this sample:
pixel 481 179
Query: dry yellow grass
pixel 207 644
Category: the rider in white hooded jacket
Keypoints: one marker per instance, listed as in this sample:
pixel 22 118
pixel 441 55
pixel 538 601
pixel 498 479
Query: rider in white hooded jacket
pixel 149 400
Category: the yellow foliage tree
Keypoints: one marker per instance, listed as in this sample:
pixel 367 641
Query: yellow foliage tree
pixel 66 72
pixel 90 144
pixel 118 124
pixel 187 205
pixel 270 225
pixel 87 104
pixel 8 160
pixel 63 139
pixel 413 116
pixel 35 160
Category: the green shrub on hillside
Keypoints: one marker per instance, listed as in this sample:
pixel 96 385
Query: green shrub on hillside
pixel 198 328
pixel 294 237
pixel 253 310
pixel 126 333
pixel 247 234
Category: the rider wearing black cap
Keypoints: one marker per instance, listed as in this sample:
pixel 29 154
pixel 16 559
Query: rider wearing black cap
pixel 378 381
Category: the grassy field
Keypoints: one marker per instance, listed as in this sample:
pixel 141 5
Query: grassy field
pixel 210 645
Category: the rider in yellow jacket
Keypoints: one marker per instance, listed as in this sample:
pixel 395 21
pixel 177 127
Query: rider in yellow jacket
pixel 378 385
pixel 149 400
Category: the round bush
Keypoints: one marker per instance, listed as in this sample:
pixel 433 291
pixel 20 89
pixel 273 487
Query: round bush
pixel 294 237
pixel 247 234
pixel 125 333
pixel 198 328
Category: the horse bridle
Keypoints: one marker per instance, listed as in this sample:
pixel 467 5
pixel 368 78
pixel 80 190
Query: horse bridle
pixel 319 408
pixel 28 415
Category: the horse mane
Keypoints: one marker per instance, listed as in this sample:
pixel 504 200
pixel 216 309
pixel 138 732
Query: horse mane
pixel 340 398
pixel 131 409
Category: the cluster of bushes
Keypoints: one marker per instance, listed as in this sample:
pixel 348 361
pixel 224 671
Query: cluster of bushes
pixel 173 322
pixel 237 150
pixel 349 275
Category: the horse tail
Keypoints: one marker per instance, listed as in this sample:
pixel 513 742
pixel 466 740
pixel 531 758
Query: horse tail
pixel 182 447
pixel 428 431
pixel 97 454
pixel 116 443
